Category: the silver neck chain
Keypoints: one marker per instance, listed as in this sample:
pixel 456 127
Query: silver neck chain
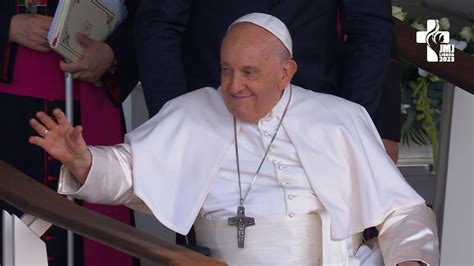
pixel 243 198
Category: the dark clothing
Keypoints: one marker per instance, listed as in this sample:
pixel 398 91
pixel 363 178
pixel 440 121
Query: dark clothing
pixel 16 110
pixel 387 116
pixel 121 42
pixel 178 44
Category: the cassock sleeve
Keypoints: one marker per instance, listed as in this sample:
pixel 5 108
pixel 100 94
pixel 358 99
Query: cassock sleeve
pixel 109 180
pixel 409 234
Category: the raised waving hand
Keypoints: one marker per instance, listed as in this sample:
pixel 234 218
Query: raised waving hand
pixel 63 142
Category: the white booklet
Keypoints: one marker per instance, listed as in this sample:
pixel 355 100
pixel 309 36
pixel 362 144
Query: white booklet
pixel 97 19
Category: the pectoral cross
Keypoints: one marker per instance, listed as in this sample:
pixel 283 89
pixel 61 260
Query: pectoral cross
pixel 241 221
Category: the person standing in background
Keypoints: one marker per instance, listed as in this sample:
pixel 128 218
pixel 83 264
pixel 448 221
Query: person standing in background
pixel 32 79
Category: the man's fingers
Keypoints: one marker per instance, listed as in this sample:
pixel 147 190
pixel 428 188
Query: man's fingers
pixel 46 120
pixel 77 75
pixel 38 34
pixel 60 117
pixel 43 33
pixel 37 39
pixel 37 126
pixel 45 18
pixel 70 67
pixel 76 134
pixel 84 40
pixel 44 22
pixel 41 48
pixel 37 141
pixel 84 76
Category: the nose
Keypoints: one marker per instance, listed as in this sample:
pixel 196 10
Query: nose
pixel 235 84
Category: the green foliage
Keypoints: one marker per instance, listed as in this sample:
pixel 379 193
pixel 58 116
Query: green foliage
pixel 422 92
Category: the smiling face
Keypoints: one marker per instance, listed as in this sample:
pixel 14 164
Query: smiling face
pixel 255 70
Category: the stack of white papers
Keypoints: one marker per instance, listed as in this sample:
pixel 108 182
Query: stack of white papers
pixel 96 19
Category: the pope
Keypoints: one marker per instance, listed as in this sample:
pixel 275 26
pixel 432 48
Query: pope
pixel 260 157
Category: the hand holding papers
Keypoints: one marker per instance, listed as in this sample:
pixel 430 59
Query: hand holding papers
pixel 30 30
pixel 93 18
pixel 97 57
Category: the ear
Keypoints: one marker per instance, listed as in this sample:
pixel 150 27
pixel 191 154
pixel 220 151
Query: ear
pixel 288 71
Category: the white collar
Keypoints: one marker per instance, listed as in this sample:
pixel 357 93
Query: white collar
pixel 279 108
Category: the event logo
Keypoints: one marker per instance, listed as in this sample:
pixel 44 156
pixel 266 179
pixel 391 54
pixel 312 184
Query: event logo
pixel 438 48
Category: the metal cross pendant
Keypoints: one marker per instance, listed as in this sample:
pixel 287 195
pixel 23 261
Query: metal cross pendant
pixel 241 221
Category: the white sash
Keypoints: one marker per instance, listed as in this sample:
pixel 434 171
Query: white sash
pixel 297 240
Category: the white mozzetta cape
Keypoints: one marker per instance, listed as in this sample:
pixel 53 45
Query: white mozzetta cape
pixel 178 152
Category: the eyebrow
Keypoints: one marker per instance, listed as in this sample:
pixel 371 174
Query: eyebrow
pixel 251 68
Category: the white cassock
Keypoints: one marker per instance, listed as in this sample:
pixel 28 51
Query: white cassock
pixel 327 158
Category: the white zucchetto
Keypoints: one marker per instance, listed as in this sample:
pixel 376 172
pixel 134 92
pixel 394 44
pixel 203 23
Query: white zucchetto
pixel 270 23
